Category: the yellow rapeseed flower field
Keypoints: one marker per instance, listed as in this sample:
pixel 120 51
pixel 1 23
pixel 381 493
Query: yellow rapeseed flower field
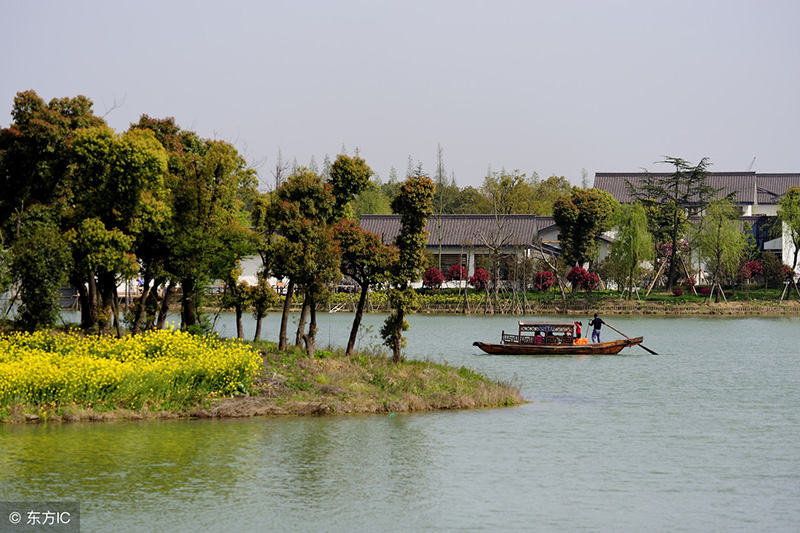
pixel 46 368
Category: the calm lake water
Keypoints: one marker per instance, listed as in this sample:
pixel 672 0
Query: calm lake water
pixel 703 437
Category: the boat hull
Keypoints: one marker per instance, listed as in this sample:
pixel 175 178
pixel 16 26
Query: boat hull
pixel 600 348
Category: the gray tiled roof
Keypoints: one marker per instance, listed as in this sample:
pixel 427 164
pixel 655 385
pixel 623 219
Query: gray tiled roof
pixel 770 187
pixel 464 230
pixel 747 187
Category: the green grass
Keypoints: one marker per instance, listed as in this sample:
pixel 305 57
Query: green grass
pixel 372 383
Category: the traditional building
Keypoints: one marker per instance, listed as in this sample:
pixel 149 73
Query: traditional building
pixel 755 194
pixel 464 239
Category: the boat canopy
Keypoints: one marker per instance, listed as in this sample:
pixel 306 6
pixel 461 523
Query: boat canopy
pixel 551 327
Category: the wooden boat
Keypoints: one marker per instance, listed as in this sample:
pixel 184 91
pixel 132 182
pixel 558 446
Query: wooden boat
pixel 547 338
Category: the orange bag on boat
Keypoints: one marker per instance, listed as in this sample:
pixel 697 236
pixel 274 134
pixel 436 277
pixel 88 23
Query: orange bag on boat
pixel 582 340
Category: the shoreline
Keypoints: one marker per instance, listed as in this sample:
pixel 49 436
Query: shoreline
pixel 619 307
pixel 291 384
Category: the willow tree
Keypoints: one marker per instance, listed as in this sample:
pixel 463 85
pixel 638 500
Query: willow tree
pixel 414 204
pixel 789 215
pixel 632 245
pixel 720 242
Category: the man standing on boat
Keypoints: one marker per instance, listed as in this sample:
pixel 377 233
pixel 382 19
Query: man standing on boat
pixel 596 323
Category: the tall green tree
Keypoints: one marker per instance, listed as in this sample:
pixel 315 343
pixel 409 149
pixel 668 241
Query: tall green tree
pixel 208 183
pixel 371 201
pixel 720 241
pixel 33 151
pixel 367 261
pixel 471 201
pixel 40 262
pixel 203 185
pixel 349 176
pixel 154 245
pixel 128 169
pixel 414 204
pixel 546 194
pixel 789 215
pixel 33 166
pixel 508 193
pixel 99 254
pixel 300 243
pixel 686 188
pixel 632 244
pixel 582 217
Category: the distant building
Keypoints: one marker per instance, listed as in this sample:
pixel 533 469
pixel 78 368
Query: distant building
pixel 755 194
pixel 464 239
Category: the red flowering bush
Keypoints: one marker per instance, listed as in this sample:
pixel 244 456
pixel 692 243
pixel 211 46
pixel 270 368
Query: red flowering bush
pixel 576 276
pixel 480 279
pixel 581 279
pixel 590 282
pixel 688 283
pixel 544 280
pixel 750 270
pixel 705 291
pixel 456 273
pixel 755 268
pixel 677 292
pixel 433 278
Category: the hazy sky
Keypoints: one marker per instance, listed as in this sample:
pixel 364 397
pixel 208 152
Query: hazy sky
pixel 552 87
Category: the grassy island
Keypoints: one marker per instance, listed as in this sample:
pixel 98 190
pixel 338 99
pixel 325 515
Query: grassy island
pixel 49 376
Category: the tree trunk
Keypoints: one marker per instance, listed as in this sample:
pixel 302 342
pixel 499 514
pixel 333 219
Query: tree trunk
pixel 301 324
pixel 259 317
pixel 83 298
pixel 362 301
pixel 188 304
pixel 116 315
pixel 91 304
pixel 107 286
pixel 311 337
pixel 287 303
pixel 397 341
pixel 496 285
pixel 674 251
pixel 141 308
pixel 239 325
pixel 169 292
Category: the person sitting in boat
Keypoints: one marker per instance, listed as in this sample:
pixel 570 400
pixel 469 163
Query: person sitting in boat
pixel 538 339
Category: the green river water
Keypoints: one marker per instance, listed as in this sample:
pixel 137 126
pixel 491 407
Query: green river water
pixel 703 437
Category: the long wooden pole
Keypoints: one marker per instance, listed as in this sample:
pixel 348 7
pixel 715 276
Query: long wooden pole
pixel 618 331
pixel 655 279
